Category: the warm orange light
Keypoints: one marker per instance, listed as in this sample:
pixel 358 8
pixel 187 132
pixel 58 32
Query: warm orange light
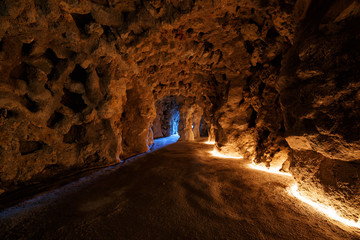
pixel 216 153
pixel 328 211
pixel 209 142
pixel 269 170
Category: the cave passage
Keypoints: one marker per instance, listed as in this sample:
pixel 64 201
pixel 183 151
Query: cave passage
pixel 167 118
pixel 94 84
pixel 177 192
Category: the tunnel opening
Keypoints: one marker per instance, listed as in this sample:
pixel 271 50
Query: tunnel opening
pixel 166 123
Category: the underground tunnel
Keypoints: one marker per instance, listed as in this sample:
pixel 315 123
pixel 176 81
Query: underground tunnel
pixel 179 119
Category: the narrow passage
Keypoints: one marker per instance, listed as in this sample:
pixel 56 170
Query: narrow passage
pixel 178 192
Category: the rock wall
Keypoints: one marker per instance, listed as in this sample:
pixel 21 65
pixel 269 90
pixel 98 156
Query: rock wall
pixel 319 97
pixel 249 121
pixel 197 114
pixel 136 121
pixel 79 79
pixel 60 98
pixel 186 122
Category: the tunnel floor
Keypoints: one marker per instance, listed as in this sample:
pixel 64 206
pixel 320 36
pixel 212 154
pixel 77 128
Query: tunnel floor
pixel 178 192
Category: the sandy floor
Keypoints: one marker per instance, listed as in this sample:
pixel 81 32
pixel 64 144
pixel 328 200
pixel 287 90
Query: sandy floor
pixel 177 192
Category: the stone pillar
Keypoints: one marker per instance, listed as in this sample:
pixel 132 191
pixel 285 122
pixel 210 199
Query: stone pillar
pixel 211 132
pixel 137 119
pixel 185 124
pixel 196 121
pixel 156 127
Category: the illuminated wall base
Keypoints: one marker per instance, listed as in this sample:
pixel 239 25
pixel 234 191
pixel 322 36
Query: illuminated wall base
pixel 218 154
pixel 328 211
pixel 269 170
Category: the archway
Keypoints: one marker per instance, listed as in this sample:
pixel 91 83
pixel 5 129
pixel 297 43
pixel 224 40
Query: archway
pixel 166 122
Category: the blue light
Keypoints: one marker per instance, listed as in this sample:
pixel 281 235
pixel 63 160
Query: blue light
pixel 174 122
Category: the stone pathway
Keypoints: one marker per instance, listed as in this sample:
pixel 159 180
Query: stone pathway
pixel 178 192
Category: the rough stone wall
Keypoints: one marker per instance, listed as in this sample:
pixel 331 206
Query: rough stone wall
pixel 249 121
pixel 136 121
pixel 79 79
pixel 276 80
pixel 319 96
pixel 57 75
pixel 197 114
pixel 186 122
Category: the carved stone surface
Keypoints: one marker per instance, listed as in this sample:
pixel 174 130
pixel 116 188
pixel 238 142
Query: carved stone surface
pixel 274 81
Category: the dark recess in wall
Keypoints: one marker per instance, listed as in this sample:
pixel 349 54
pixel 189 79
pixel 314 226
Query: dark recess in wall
pixel 81 20
pixel 75 134
pixel 50 54
pixel 249 47
pixel 252 120
pixel 27 147
pixel 78 74
pixel 27 48
pixel 20 72
pixel 55 118
pixel 31 105
pixel 73 101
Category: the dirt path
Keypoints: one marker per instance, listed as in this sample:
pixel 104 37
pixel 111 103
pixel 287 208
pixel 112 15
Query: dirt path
pixel 177 192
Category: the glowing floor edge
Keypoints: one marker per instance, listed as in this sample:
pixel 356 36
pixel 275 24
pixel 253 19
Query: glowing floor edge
pixel 218 154
pixel 264 169
pixel 328 211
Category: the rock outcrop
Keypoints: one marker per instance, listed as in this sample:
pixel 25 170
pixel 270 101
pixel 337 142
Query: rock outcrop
pixel 319 96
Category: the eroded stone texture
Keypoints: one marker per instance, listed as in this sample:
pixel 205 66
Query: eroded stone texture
pixel 79 81
pixel 79 64
pixel 249 122
pixel 331 182
pixel 197 114
pixel 319 87
pixel 186 122
pixel 136 121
